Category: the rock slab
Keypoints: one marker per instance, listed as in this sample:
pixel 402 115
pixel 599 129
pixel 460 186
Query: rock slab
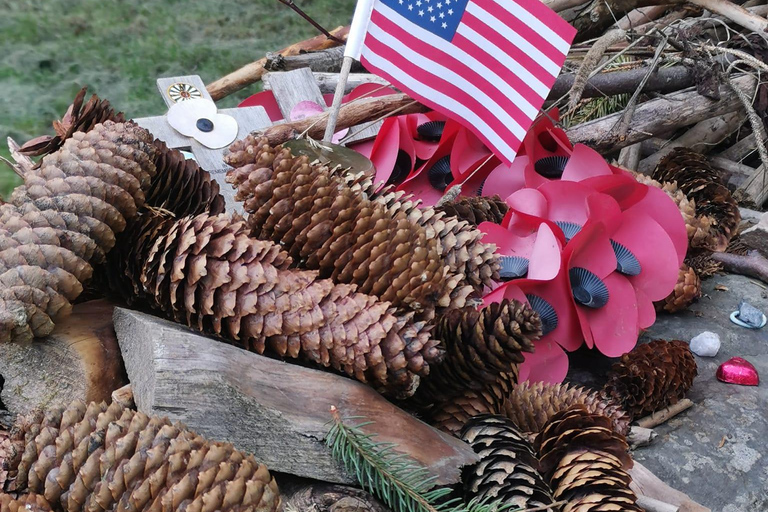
pixel 278 411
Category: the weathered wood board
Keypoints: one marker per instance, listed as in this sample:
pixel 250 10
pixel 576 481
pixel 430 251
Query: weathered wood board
pixel 79 360
pixel 275 410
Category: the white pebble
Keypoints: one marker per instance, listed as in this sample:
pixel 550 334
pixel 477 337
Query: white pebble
pixel 705 344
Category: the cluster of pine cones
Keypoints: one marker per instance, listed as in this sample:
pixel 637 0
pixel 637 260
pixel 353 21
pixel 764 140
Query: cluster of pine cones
pixel 711 217
pixel 325 269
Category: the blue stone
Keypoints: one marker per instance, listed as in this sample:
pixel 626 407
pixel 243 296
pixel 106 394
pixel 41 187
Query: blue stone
pixel 750 315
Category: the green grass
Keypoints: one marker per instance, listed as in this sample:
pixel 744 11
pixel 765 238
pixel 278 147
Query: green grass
pixel 49 49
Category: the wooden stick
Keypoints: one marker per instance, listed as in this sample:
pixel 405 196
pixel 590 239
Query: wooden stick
pixel 741 149
pixel 629 157
pixel 654 505
pixel 662 416
pixel 660 115
pixel 735 13
pixel 327 81
pixel 753 264
pixel 359 112
pixel 252 72
pixel 338 96
pixel 328 61
pixel 700 138
pixel 645 483
pixel 754 187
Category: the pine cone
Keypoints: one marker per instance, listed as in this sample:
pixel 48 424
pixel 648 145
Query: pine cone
pixel 78 118
pixel 181 186
pixel 64 217
pixel 686 292
pixel 336 223
pixel 653 376
pixel 508 471
pixel 531 406
pixel 584 461
pixel 703 266
pixel 476 209
pixel 96 457
pixel 694 175
pixel 451 415
pixel 25 503
pixel 325 223
pixel 206 272
pixel 479 345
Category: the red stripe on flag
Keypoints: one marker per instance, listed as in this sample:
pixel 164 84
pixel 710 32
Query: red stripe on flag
pixel 434 54
pixel 539 11
pixel 457 94
pixel 508 48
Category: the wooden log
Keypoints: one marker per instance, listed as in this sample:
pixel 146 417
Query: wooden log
pixel 645 483
pixel 734 174
pixel 743 148
pixel 328 81
pixel 275 410
pixel 359 112
pixel 660 115
pixel 756 186
pixel 328 61
pixel 592 18
pixel 79 360
pixel 735 13
pixel 251 73
pixel 699 138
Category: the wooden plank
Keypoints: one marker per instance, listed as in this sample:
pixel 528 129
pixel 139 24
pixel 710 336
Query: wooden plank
pixel 291 88
pixel 275 410
pixel 163 84
pixel 80 360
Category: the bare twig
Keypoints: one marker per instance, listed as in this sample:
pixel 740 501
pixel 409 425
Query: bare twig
pixel 735 13
pixel 664 415
pixel 300 12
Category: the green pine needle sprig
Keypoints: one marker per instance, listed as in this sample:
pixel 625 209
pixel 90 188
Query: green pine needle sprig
pixel 399 481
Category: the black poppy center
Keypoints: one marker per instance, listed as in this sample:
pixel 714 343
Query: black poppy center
pixel 205 125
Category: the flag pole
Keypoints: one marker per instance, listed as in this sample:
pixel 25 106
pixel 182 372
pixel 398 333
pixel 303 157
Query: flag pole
pixel 352 50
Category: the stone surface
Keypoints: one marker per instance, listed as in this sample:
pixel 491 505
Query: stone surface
pixel 705 344
pixel 716 451
pixel 750 315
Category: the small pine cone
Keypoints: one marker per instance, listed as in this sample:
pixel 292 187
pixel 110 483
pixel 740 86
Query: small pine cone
pixel 322 218
pixel 686 292
pixel 737 246
pixel 451 415
pixel 479 346
pixel 694 175
pixel 79 118
pixel 460 242
pixel 703 265
pixel 63 218
pixel 181 186
pixel 531 406
pixel 508 471
pixel 207 272
pixel 99 457
pixel 585 462
pixel 476 209
pixel 653 376
pixel 25 503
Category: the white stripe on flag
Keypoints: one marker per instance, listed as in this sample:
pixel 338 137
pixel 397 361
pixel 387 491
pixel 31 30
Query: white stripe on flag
pixel 495 80
pixel 537 25
pixel 441 99
pixel 513 37
pixel 506 60
pixel 449 75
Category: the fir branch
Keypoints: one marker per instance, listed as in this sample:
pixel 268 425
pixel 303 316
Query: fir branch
pixel 399 481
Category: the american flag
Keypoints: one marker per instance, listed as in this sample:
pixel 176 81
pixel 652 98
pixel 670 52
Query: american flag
pixel 489 64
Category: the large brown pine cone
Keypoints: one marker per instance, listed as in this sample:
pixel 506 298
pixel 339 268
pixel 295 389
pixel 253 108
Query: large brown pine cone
pixel 207 272
pixel 100 457
pixel 451 415
pixel 63 218
pixel 508 471
pixel 653 376
pixel 476 209
pixel 531 406
pixel 687 291
pixel 334 222
pixel 584 461
pixel 78 118
pixel 479 346
pixel 181 186
pixel 694 175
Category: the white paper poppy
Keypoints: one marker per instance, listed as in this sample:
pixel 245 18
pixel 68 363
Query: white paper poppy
pixel 199 119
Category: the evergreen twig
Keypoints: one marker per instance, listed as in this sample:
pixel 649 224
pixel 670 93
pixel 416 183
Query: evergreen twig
pixel 399 481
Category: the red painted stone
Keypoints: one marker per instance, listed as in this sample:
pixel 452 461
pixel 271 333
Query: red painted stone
pixel 737 370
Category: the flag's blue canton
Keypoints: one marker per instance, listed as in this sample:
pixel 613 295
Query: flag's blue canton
pixel 441 17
